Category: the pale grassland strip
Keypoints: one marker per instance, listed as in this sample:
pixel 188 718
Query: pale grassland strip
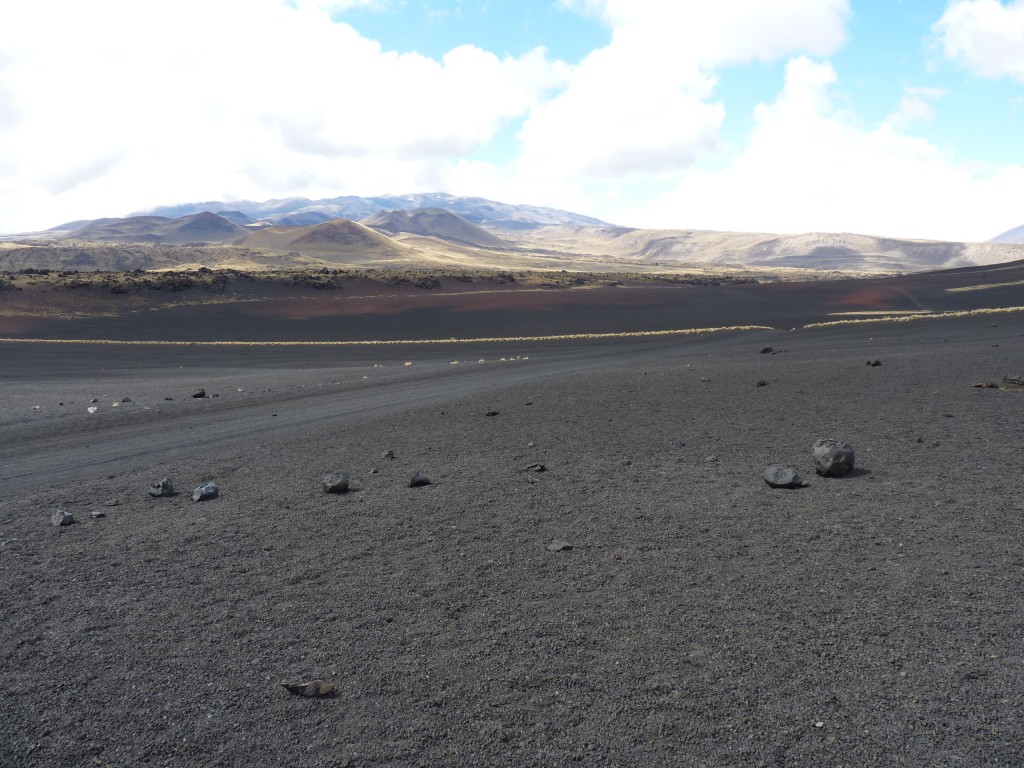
pixel 983 287
pixel 921 316
pixel 886 313
pixel 398 342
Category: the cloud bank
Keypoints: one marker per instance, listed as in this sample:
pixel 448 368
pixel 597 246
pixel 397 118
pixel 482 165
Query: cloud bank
pixel 115 105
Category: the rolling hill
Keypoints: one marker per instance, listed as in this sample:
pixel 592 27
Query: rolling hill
pixel 1013 236
pixel 202 227
pixel 842 252
pixel 434 222
pixel 338 238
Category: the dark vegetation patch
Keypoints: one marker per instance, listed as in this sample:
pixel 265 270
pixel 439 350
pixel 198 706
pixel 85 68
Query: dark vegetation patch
pixel 205 280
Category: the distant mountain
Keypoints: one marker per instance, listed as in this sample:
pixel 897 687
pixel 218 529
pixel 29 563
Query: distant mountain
pixel 203 227
pixel 236 216
pixel 1014 237
pixel 435 222
pixel 301 211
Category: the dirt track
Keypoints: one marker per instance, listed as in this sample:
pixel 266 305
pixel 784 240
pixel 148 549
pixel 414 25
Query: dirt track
pixel 699 619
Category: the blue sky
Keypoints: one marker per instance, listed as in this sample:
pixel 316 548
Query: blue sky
pixel 900 118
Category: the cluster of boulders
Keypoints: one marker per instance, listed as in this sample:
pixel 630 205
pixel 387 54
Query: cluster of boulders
pixel 832 458
pixel 339 482
pixel 164 487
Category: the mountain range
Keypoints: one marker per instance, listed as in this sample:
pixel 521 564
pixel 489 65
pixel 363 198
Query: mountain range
pixel 443 230
pixel 301 211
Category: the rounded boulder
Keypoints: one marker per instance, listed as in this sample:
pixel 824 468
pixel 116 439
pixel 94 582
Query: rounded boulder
pixel 832 458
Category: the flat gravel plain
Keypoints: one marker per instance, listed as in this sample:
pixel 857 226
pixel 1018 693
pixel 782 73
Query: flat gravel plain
pixel 698 617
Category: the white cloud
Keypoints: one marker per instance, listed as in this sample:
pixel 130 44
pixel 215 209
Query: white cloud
pixel 727 31
pixel 809 167
pixel 338 6
pixel 111 106
pixel 985 36
pixel 271 98
pixel 644 103
pixel 915 106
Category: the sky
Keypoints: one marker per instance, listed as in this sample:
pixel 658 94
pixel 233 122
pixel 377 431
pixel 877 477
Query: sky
pixel 901 118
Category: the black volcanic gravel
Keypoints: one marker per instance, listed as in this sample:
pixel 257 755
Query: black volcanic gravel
pixel 700 617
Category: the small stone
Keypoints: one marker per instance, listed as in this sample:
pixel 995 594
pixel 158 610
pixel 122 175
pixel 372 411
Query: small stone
pixel 169 398
pixel 782 477
pixel 832 458
pixel 206 491
pixel 762 383
pixel 162 488
pixel 536 467
pixel 111 503
pixel 388 455
pixel 982 384
pixel 199 393
pixel 874 363
pixel 559 546
pixel 1012 383
pixel 126 399
pixel 492 413
pixel 94 400
pixel 314 688
pixel 710 459
pixel 96 514
pixel 336 482
pixel 61 517
pixel 766 350
pixel 418 480
pixel 819 724
pixel 92 409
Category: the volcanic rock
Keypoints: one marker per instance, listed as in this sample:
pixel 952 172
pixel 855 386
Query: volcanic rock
pixel 418 480
pixel 206 491
pixel 1013 383
pixel 832 458
pixel 199 393
pixel 61 517
pixel 162 488
pixel 336 482
pixel 782 477
pixel 314 688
